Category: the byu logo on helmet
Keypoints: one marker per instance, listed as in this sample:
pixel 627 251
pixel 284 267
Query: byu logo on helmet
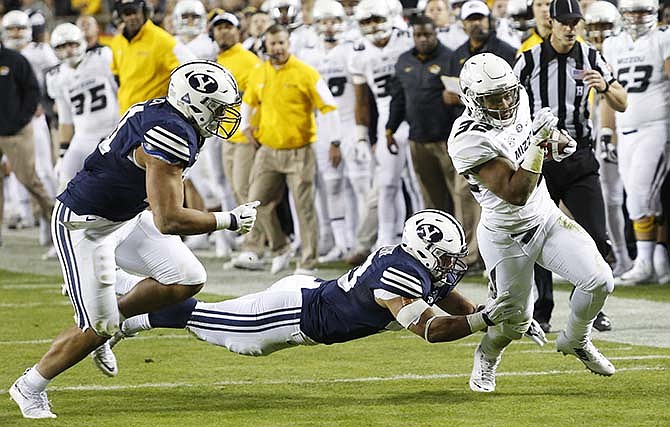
pixel 203 83
pixel 429 233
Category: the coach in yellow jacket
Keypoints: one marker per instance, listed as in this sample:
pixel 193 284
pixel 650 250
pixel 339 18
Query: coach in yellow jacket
pixel 144 55
pixel 286 92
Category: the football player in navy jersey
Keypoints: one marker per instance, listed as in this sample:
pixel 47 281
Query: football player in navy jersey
pixel 396 287
pixel 100 221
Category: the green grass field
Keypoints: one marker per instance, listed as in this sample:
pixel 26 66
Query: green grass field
pixel 168 378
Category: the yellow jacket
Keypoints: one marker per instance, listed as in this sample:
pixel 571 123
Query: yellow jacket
pixel 286 98
pixel 240 62
pixel 143 64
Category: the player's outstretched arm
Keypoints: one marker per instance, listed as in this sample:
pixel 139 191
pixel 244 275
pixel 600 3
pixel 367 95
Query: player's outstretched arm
pixel 417 316
pixel 165 193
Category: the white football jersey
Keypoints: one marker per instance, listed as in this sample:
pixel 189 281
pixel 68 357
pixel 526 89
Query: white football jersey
pixel 301 38
pixel 473 143
pixel 638 66
pixel 86 95
pixel 377 66
pixel 332 65
pixel 202 47
pixel 452 36
pixel 41 57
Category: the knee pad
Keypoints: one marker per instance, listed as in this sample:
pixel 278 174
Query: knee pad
pixel 104 263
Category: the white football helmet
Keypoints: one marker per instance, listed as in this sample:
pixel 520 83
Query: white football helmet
pixel 520 13
pixel 292 15
pixel 490 89
pixel 437 240
pixel 65 34
pixel 601 20
pixel 374 18
pixel 17 23
pixel 190 18
pixel 207 95
pixel 328 9
pixel 639 16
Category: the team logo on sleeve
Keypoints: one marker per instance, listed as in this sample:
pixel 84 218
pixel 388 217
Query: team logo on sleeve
pixel 429 233
pixel 203 83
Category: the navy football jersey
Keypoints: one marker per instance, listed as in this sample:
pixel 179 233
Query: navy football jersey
pixel 345 309
pixel 111 184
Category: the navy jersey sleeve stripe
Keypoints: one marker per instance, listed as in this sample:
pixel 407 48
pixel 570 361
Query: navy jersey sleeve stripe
pixel 155 145
pixel 404 275
pixel 171 135
pixel 399 285
pixel 168 141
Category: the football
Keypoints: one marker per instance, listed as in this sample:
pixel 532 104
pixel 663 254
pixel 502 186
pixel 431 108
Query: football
pixel 557 144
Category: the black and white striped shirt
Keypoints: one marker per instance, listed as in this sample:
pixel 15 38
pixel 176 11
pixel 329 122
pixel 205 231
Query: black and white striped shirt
pixel 554 80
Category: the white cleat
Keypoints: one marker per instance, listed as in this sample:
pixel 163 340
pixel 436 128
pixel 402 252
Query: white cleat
pixel 483 377
pixel 642 272
pixel 280 262
pixel 622 266
pixel 104 359
pixel 248 261
pixel 587 353
pixel 335 254
pixel 32 404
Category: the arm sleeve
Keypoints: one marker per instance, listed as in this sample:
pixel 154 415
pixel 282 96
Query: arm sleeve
pixel 665 43
pixel 601 66
pixel 246 111
pixel 331 121
pixel 397 107
pixel 64 111
pixel 250 96
pixel 519 64
pixel 470 150
pixel 169 143
pixel 322 97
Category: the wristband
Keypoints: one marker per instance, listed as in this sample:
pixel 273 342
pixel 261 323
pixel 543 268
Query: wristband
pixel 361 132
pixel 225 220
pixel 607 87
pixel 335 143
pixel 389 132
pixel 425 329
pixel 534 159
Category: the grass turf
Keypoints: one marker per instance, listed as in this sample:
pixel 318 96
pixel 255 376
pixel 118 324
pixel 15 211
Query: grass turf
pixel 168 378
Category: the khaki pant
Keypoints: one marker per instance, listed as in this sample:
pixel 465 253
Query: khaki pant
pixel 438 179
pixel 237 162
pixel 271 172
pixel 20 152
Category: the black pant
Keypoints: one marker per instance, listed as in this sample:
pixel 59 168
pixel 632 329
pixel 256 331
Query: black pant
pixel 575 182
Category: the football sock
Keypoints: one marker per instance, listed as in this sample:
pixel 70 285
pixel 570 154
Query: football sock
pixel 494 343
pixel 135 324
pixel 174 316
pixel 645 250
pixel 584 306
pixel 661 260
pixel 35 381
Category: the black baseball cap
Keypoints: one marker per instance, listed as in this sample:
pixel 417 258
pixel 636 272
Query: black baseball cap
pixel 565 10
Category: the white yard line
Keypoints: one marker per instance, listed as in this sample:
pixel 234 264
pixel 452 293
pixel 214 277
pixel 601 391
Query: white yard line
pixel 405 377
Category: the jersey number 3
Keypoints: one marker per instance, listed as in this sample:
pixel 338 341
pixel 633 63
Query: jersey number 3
pixel 640 76
pixel 98 100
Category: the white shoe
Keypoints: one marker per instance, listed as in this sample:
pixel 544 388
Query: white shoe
pixel 622 266
pixel 118 336
pixel 104 359
pixel 50 254
pixel 280 262
pixel 663 280
pixel 32 404
pixel 335 254
pixel 642 272
pixel 587 353
pixel 248 260
pixel 221 245
pixel 483 377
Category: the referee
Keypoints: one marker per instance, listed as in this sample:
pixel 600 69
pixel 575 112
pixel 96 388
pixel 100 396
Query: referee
pixel 559 73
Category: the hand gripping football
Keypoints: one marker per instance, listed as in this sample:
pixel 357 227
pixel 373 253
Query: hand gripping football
pixel 559 145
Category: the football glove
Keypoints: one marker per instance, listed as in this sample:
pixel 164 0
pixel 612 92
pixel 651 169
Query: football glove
pixel 608 151
pixel 536 333
pixel 243 217
pixel 543 123
pixel 495 311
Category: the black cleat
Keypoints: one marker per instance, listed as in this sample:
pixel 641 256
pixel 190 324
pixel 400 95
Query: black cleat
pixel 602 322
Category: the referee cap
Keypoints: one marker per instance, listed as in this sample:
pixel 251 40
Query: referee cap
pixel 563 10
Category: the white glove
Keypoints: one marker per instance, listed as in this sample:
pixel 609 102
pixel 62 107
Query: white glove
pixel 536 333
pixel 543 123
pixel 243 217
pixel 553 144
pixel 362 153
pixel 495 311
pixel 608 151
